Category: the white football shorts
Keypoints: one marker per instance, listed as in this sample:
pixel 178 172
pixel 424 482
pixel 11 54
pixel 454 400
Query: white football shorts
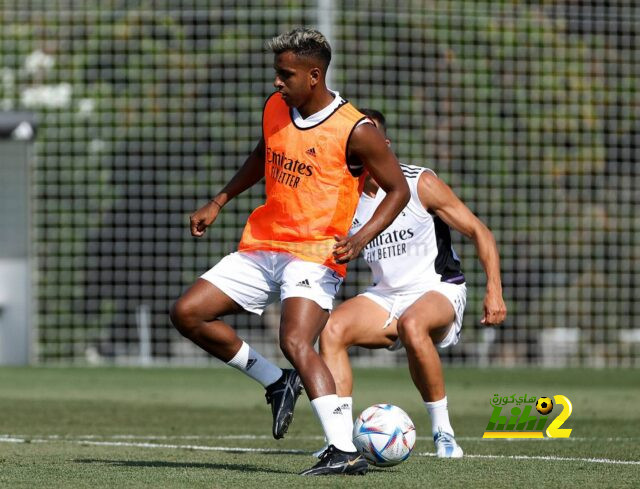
pixel 397 304
pixel 255 279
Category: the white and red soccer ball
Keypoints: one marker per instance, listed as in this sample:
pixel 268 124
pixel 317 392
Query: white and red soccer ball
pixel 384 434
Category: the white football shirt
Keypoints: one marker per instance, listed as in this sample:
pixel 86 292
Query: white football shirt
pixel 415 251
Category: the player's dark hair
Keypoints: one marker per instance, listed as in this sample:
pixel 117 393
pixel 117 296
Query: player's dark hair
pixel 304 42
pixel 378 116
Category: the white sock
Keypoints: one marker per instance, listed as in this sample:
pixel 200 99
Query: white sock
pixel 329 412
pixel 439 416
pixel 346 404
pixel 251 363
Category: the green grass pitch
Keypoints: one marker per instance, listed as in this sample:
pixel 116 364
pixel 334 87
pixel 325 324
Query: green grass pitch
pixel 75 427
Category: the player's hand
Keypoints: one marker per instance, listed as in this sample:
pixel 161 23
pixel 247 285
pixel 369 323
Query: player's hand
pixel 201 219
pixel 495 310
pixel 346 249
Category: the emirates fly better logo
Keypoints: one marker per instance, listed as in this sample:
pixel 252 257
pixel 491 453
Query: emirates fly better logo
pixel 288 171
pixel 527 417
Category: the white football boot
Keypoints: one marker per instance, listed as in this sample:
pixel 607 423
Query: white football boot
pixel 446 446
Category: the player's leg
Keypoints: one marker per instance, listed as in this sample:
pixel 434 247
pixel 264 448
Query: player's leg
pixel 196 315
pixel 301 324
pixel 421 327
pixel 307 295
pixel 356 322
pixel 425 324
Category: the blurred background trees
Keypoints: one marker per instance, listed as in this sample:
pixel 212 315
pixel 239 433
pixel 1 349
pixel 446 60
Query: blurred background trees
pixel 529 110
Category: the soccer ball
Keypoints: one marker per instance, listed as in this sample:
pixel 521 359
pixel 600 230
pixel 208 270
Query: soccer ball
pixel 544 405
pixel 384 435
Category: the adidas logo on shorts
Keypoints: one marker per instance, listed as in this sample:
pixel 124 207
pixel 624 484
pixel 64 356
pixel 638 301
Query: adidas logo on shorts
pixel 303 283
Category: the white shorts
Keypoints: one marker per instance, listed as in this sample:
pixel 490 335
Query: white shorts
pixel 398 303
pixel 255 279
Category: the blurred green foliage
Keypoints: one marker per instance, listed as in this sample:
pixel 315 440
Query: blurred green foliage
pixel 529 110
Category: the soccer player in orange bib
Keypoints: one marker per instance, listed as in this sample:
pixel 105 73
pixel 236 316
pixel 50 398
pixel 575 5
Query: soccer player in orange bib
pixel 313 155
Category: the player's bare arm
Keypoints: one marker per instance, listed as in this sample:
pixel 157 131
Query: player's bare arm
pixel 368 146
pixel 438 197
pixel 251 172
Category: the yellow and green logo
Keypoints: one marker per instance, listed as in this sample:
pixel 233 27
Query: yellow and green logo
pixel 528 417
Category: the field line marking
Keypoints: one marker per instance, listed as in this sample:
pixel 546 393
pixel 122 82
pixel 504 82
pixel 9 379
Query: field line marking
pixel 156 437
pixel 155 445
pixel 14 439
pixel 250 436
pixel 547 458
pixel 189 447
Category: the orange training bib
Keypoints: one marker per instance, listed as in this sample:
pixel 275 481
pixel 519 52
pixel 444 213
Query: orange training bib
pixel 311 195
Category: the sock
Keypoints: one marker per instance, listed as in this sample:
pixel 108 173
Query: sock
pixel 439 416
pixel 251 363
pixel 346 404
pixel 328 411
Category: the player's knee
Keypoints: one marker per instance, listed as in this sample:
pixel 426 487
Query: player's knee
pixel 411 331
pixel 181 314
pixel 289 345
pixel 332 337
pixel 293 346
pixel 407 326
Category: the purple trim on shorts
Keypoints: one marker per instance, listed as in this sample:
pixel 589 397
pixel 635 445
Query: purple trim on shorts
pixel 458 280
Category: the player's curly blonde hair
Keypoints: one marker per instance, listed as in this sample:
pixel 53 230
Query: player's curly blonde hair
pixel 303 42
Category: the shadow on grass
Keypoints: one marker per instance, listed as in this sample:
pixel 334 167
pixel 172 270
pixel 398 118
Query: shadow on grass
pixel 179 465
pixel 199 465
